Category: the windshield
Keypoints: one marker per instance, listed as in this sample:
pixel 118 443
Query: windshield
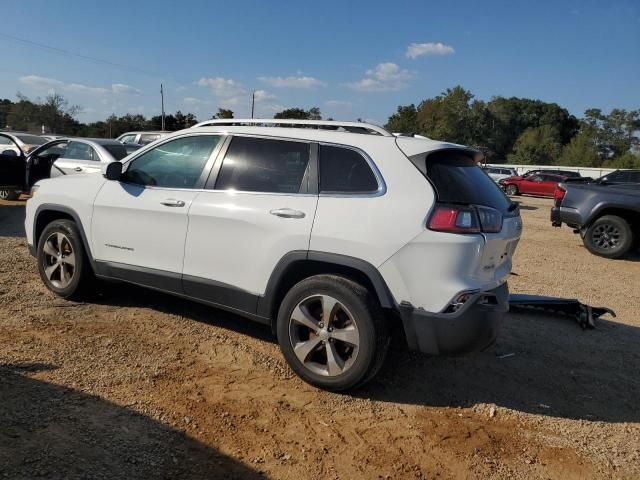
pixel 31 139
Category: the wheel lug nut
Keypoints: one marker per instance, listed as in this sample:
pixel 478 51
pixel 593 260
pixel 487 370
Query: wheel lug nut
pixel 321 325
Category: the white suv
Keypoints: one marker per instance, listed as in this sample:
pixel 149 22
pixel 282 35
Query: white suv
pixel 328 234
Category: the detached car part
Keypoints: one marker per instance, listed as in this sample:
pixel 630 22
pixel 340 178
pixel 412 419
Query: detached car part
pixel 585 315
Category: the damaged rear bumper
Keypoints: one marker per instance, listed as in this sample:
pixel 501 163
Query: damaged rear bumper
pixel 474 326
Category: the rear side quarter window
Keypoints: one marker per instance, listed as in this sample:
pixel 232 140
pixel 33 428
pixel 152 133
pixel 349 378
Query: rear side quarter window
pixel 343 170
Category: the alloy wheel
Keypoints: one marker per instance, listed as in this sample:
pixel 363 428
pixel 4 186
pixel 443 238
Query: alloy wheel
pixel 324 335
pixel 606 236
pixel 59 260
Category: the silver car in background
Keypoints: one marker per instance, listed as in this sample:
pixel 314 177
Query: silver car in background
pixel 498 173
pixel 85 155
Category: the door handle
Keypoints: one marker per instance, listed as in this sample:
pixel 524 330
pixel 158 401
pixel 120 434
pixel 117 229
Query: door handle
pixel 287 213
pixel 172 202
pixel 78 169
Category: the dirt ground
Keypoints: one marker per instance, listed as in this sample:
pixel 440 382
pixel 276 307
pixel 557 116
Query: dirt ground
pixel 136 384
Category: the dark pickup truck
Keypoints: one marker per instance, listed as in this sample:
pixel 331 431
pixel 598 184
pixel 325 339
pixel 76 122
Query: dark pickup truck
pixel 607 217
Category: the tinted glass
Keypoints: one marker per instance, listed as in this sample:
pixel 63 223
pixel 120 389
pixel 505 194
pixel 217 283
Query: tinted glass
pixel 57 150
pixel 457 179
pixel 118 152
pixel 345 170
pixel 175 164
pixel 148 138
pixel 616 177
pixel 262 165
pixel 78 151
pixel 128 138
pixel 32 139
pixel 634 177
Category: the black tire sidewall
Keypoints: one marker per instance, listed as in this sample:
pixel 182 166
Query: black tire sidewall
pixel 359 303
pixel 621 224
pixel 71 232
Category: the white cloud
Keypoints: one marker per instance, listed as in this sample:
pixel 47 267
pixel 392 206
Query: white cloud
pixel 126 89
pixel 263 95
pixel 80 88
pixel 221 87
pixel 36 81
pixel 383 78
pixel 432 48
pixel 338 103
pixel 292 82
pixel 46 83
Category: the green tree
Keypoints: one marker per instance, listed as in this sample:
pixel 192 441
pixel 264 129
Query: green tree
pixel 537 146
pixel 224 113
pixel 405 120
pixel 185 120
pixel 448 116
pixel 580 151
pixel 299 114
pixel 615 133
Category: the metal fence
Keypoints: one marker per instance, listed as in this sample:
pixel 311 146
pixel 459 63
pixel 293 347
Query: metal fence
pixel 584 171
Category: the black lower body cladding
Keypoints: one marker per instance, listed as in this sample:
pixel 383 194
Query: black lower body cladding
pixel 473 327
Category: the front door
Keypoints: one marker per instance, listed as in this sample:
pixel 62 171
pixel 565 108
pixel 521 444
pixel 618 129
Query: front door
pixel 140 223
pixel 254 211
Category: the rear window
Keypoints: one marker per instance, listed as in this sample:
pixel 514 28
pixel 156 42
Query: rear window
pixel 117 151
pixel 457 178
pixel 343 170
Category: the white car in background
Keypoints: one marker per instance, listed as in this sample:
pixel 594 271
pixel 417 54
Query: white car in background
pixel 141 138
pixel 498 173
pixel 84 155
pixel 332 233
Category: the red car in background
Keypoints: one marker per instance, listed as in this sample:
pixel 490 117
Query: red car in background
pixel 543 184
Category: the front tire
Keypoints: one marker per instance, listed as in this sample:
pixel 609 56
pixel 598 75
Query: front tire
pixel 512 190
pixel 62 262
pixel 332 332
pixel 609 236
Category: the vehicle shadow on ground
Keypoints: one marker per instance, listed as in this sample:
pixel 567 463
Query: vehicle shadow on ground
pixel 525 207
pixel 557 370
pixel 12 219
pixel 51 431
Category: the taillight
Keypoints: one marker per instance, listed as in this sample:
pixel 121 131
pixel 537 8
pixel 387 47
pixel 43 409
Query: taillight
pixel 558 195
pixel 465 219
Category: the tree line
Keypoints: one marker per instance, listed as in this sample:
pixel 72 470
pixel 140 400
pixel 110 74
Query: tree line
pixel 525 131
pixel 507 130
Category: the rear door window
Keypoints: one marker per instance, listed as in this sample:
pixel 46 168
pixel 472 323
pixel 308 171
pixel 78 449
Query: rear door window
pixel 263 165
pixel 343 170
pixel 457 178
pixel 148 138
pixel 80 151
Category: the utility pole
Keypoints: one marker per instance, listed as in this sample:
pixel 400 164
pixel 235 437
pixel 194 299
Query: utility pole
pixel 162 100
pixel 253 102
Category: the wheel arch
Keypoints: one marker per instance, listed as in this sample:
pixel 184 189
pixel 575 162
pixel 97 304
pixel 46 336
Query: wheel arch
pixel 297 265
pixel 47 213
pixel 632 217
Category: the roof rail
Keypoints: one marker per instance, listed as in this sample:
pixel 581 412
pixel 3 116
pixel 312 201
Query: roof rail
pixel 353 127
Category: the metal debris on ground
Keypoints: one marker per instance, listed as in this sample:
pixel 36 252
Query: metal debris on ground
pixel 585 315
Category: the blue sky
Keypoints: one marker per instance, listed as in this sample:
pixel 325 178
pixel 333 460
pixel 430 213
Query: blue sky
pixel 351 59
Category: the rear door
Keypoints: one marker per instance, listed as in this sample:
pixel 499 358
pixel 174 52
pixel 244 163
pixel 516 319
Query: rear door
pixel 78 157
pixel 531 185
pixel 12 163
pixel 256 208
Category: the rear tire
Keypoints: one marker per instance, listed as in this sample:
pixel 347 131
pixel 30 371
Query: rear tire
pixel 62 261
pixel 338 350
pixel 512 190
pixel 8 194
pixel 609 236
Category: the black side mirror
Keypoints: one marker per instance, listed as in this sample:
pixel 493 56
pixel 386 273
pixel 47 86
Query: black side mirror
pixel 113 171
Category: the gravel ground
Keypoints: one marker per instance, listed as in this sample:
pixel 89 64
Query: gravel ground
pixel 135 384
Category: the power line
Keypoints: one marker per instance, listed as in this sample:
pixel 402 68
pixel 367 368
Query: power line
pixel 79 55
